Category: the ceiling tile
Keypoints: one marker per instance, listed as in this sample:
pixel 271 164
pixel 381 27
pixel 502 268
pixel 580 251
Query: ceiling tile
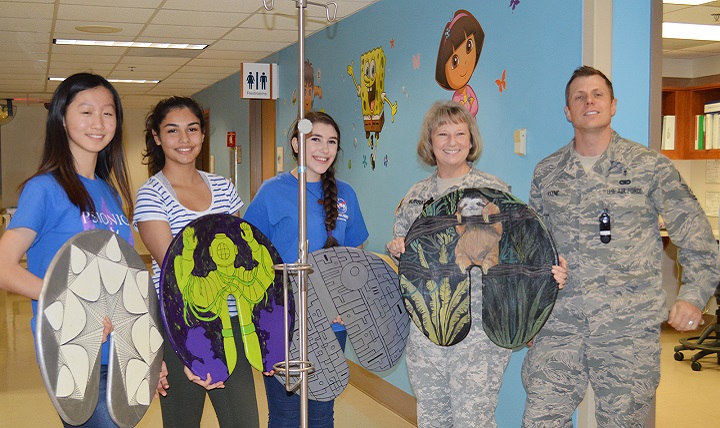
pixel 195 18
pixel 104 14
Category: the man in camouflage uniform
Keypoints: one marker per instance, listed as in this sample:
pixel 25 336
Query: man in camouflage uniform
pixel 605 326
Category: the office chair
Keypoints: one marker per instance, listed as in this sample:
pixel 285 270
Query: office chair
pixel 708 342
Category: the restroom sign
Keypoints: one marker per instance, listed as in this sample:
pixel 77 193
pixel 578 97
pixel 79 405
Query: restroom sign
pixel 258 80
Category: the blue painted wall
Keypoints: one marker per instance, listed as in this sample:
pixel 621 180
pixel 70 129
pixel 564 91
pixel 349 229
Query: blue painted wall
pixel 538 43
pixel 538 58
pixel 631 69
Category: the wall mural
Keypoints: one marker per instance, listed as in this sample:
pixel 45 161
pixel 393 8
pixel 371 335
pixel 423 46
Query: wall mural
pixel 310 89
pixel 371 91
pixel 460 45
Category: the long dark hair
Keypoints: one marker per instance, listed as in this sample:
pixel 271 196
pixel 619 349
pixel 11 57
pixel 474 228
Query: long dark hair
pixel 153 156
pixel 58 160
pixel 329 184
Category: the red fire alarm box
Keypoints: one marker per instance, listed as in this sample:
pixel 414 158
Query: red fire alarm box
pixel 231 139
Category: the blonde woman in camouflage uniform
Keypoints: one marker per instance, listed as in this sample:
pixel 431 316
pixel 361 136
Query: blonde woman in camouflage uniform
pixel 455 386
pixel 605 327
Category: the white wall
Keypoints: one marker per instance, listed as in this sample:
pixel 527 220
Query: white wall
pixel 690 68
pixel 22 142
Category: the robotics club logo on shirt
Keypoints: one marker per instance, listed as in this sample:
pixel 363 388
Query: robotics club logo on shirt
pixel 342 209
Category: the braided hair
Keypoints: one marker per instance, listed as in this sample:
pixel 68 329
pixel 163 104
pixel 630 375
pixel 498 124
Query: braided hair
pixel 329 183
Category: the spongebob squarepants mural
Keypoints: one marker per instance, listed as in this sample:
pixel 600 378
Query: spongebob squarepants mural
pixel 371 91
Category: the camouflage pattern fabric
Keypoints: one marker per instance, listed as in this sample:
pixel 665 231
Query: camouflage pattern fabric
pixel 454 385
pixel 613 289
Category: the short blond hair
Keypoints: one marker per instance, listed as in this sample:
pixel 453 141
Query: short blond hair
pixel 439 114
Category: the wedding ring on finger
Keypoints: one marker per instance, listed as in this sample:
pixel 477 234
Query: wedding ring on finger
pixel 690 322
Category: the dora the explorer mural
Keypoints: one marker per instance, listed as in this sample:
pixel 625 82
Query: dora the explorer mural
pixel 460 45
pixel 371 91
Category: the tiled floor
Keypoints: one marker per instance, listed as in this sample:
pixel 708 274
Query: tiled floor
pixel 685 397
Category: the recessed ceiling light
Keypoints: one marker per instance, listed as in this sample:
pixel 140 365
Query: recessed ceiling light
pixel 680 30
pixel 98 29
pixel 60 79
pixel 111 43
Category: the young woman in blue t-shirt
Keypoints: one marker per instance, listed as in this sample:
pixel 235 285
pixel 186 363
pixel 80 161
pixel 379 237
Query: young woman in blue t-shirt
pixel 333 218
pixel 81 184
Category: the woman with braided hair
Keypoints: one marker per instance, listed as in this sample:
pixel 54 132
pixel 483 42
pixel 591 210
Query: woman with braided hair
pixel 333 218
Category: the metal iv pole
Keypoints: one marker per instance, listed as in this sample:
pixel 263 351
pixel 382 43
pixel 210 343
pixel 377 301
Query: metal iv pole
pixel 302 367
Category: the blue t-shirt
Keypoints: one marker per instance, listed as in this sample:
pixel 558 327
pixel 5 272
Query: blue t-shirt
pixel 45 208
pixel 274 211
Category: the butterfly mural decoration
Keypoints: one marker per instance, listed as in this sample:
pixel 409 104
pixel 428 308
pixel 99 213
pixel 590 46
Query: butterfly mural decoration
pixel 514 4
pixel 502 85
pixel 416 61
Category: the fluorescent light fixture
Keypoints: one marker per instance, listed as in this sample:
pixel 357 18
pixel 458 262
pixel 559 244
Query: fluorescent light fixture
pixel 111 43
pixel 60 79
pixel 679 30
pixel 687 2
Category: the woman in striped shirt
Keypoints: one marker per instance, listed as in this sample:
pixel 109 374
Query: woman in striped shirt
pixel 172 197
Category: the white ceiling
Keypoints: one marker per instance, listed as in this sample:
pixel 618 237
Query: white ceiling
pixel 236 31
pixel 691 49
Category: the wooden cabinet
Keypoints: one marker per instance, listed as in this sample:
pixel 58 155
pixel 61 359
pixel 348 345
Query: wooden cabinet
pixel 684 103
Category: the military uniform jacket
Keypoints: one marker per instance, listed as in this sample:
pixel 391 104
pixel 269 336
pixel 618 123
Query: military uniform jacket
pixel 620 282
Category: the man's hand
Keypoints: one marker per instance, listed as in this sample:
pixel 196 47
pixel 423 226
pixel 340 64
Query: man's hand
pixel 684 316
pixel 560 272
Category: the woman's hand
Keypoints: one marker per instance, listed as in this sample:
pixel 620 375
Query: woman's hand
pixel 560 272
pixel 396 247
pixel 107 328
pixel 163 384
pixel 207 383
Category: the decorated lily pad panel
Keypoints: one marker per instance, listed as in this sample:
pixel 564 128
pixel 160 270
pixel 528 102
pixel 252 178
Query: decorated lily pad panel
pixel 93 275
pixel 214 261
pixel 491 231
pixel 363 289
